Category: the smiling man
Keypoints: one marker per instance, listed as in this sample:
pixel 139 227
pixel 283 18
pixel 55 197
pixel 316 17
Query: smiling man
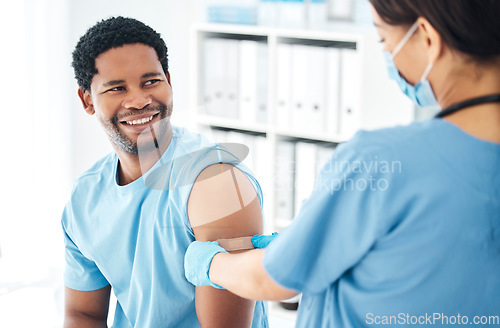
pixel 133 214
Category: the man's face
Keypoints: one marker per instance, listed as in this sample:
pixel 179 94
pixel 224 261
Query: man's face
pixel 129 94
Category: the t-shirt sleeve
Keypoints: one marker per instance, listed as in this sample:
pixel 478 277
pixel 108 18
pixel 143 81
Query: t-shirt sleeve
pixel 80 273
pixel 336 226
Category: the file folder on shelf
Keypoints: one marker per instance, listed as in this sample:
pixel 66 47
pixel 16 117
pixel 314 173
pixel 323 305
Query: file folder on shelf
pixel 308 88
pixel 253 81
pixel 333 91
pixel 251 160
pixel 219 136
pixel 212 76
pixel 248 80
pixel 262 163
pixel 284 181
pixel 314 120
pixel 232 77
pixel 324 155
pixel 299 90
pixel 305 172
pixel 220 77
pixel 284 85
pixel 239 138
pixel 350 98
pixel 262 81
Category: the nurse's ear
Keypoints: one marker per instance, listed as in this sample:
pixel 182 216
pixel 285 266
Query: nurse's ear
pixel 86 100
pixel 431 39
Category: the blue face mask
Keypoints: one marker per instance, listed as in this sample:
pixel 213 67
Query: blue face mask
pixel 421 93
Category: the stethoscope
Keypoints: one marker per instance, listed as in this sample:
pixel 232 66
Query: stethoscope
pixel 467 103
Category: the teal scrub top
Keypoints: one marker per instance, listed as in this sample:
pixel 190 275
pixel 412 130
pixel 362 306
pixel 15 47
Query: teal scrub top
pixel 134 237
pixel 402 229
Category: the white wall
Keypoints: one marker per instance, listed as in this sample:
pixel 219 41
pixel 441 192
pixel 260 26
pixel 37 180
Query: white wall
pixel 35 134
pixel 35 162
pixel 47 139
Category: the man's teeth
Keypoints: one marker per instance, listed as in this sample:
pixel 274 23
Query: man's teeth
pixel 141 121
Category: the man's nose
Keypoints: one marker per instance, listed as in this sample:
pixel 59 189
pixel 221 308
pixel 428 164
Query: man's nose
pixel 137 99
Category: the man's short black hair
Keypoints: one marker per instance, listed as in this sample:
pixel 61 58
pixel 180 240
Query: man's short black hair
pixel 111 33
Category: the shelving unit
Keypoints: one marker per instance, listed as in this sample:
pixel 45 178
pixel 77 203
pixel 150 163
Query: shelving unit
pixel 364 96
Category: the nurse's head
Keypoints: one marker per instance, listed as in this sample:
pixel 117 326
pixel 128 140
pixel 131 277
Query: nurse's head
pixel 454 45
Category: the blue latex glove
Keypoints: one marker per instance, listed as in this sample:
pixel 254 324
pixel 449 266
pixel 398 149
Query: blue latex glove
pixel 259 241
pixel 197 262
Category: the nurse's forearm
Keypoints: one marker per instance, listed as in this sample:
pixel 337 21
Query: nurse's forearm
pixel 243 274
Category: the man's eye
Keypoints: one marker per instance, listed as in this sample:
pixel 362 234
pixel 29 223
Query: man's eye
pixel 151 82
pixel 116 89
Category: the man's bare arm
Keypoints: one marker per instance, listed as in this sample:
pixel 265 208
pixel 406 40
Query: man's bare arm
pixel 223 204
pixel 86 309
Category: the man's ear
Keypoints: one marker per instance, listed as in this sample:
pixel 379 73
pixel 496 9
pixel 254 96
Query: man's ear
pixel 168 79
pixel 86 100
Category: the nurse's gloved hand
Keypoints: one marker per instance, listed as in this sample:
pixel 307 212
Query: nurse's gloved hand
pixel 197 262
pixel 259 241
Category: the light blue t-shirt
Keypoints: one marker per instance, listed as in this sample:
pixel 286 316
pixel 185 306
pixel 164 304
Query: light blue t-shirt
pixel 402 230
pixel 134 237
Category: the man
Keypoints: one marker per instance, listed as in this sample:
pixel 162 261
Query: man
pixel 133 214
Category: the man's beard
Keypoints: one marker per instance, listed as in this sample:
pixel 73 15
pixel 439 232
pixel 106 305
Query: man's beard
pixel 122 142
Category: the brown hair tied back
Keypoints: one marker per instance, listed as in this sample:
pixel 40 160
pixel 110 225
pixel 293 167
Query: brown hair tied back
pixel 470 26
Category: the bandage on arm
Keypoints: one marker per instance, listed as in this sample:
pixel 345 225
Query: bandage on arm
pixel 236 244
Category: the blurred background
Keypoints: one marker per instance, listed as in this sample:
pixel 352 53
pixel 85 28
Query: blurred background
pixel 49 140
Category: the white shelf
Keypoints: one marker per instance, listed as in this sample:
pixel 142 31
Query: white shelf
pixel 323 137
pixel 336 32
pixel 228 123
pixel 375 100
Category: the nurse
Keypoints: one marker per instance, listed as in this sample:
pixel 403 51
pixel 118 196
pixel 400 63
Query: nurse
pixel 403 227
